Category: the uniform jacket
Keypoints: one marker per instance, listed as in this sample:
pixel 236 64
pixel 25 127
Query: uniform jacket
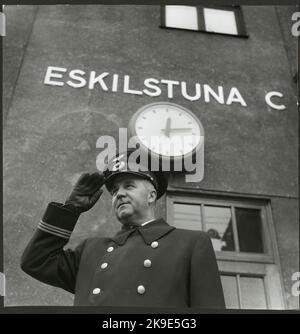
pixel 155 265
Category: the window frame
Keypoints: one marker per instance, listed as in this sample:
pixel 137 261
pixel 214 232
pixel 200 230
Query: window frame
pixel 270 273
pixel 224 201
pixel 239 18
pixel 243 264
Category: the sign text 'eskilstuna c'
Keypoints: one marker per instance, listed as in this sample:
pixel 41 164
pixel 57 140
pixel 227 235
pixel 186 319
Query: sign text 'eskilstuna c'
pixel 107 82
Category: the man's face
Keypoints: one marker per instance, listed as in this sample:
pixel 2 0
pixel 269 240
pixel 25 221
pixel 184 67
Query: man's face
pixel 130 198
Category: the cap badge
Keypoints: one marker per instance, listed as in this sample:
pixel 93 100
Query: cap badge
pixel 119 164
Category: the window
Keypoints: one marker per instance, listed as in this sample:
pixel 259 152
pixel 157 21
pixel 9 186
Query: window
pixel 236 228
pixel 251 285
pixel 219 20
pixel 244 242
pixel 182 17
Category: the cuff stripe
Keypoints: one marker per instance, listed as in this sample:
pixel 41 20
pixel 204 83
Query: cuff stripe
pixel 55 228
pixel 56 231
pixel 51 232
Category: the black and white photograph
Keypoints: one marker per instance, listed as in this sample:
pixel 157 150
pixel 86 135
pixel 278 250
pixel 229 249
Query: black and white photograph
pixel 150 157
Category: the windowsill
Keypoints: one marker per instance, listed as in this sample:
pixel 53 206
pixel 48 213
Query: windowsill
pixel 205 31
pixel 246 257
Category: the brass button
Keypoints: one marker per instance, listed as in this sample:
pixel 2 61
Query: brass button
pixel 147 263
pixel 104 265
pixel 141 289
pixel 110 249
pixel 154 244
pixel 96 291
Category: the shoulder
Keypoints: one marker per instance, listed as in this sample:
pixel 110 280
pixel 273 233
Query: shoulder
pixel 192 235
pixel 196 243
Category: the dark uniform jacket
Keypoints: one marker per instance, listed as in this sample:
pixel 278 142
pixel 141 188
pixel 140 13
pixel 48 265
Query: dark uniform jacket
pixel 155 265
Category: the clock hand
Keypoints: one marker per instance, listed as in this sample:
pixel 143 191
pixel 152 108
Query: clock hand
pixel 180 129
pixel 176 129
pixel 168 126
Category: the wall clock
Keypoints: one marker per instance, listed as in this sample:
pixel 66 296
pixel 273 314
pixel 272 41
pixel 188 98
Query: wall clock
pixel 167 130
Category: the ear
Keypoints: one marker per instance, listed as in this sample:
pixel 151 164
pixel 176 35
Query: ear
pixel 152 195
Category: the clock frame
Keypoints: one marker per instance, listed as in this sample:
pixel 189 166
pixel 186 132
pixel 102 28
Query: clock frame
pixel 133 133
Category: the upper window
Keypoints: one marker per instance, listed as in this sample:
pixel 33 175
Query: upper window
pixel 219 20
pixel 182 17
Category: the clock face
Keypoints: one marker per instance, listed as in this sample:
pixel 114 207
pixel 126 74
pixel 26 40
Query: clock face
pixel 167 129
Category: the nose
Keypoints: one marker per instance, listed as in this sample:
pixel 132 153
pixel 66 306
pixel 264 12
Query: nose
pixel 120 193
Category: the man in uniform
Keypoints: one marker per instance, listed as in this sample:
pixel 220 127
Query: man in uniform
pixel 147 263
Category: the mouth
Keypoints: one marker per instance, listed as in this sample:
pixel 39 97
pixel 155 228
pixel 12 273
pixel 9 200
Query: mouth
pixel 121 204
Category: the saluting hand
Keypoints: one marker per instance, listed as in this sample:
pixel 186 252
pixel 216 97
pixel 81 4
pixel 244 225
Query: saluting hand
pixel 86 191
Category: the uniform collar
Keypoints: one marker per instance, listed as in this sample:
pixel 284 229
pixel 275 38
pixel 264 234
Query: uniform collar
pixel 152 231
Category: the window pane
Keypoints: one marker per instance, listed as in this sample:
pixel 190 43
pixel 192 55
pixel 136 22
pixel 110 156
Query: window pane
pixel 184 17
pixel 218 224
pixel 249 228
pixel 221 21
pixel 253 293
pixel 230 289
pixel 187 216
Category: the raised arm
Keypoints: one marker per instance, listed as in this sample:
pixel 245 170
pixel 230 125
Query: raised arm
pixel 44 258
